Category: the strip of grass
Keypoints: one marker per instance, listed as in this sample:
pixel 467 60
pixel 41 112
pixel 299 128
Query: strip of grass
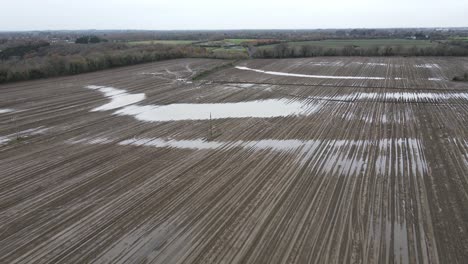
pixel 168 42
pixel 460 38
pixel 231 50
pixel 239 41
pixel 226 42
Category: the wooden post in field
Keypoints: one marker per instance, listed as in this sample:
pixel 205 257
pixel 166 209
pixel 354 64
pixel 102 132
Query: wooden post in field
pixel 15 124
pixel 211 128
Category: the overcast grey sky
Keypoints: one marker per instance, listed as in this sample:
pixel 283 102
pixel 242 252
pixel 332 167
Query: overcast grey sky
pixel 237 14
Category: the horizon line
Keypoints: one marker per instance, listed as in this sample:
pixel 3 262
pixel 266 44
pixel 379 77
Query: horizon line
pixel 238 29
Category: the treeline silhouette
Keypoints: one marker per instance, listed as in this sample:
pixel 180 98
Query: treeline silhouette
pixel 23 49
pixel 285 50
pixel 34 60
pixel 89 40
pixel 57 60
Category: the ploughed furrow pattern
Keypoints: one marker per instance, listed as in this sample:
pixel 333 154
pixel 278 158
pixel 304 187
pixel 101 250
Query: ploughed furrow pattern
pixel 396 73
pixel 142 165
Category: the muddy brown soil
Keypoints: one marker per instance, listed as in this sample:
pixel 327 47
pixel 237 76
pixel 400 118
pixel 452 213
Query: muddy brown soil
pixel 367 171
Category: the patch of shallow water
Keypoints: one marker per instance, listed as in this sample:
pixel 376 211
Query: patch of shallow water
pixel 328 63
pixel 402 156
pixel 126 105
pixel 324 76
pixel 184 80
pixel 413 97
pixel 200 143
pixel 336 157
pixel 119 98
pixel 195 144
pixel 310 76
pixel 4 140
pixel 6 110
pixel 24 133
pixel 372 63
pixel 176 112
pixel 342 64
pixel 395 96
pixel 428 66
pixel 243 85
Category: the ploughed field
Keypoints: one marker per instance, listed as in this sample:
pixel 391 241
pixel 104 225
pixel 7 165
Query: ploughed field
pixel 322 160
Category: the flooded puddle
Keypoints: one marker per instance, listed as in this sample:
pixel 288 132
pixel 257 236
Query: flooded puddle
pixel 183 80
pixel 376 64
pixel 373 63
pixel 401 117
pixel 126 105
pixel 195 144
pixel 6 110
pixel 335 157
pixel 413 97
pixel 310 76
pixel 175 112
pixel 395 96
pixel 428 66
pixel 201 144
pixel 23 134
pixel 244 85
pixel 4 140
pixel 323 76
pixel 119 98
pixel 327 63
pixel 342 64
pixel 410 157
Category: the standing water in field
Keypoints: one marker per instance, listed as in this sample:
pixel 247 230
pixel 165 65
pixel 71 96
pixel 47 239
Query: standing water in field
pixel 119 98
pixel 310 76
pixel 126 105
pixel 323 76
pixel 5 110
pixel 341 157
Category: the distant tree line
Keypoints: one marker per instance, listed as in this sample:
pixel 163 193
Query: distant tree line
pixel 89 40
pixel 285 50
pixel 22 50
pixel 59 60
pixel 290 35
pixel 260 42
pixel 33 60
pixel 205 35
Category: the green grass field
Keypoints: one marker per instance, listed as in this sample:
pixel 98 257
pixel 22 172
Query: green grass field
pixel 225 42
pixel 238 41
pixel 230 50
pixel 459 38
pixel 168 42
